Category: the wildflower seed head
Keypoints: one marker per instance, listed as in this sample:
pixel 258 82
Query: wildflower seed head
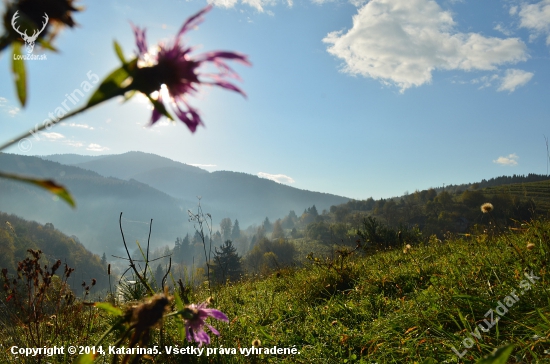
pixel 487 207
pixel 149 314
pixel 256 343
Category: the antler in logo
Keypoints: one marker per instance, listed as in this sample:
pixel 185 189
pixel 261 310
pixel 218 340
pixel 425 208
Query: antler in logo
pixel 29 40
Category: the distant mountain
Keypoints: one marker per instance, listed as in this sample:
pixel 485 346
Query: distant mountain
pixel 127 165
pixel 245 197
pixel 70 159
pixel 144 186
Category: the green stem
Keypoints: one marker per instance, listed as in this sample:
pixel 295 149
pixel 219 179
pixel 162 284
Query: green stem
pixel 44 126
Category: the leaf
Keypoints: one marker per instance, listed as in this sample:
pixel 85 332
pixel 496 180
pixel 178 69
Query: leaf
pixel 19 74
pixel 179 307
pixel 119 53
pixel 85 359
pixel 111 86
pixel 470 298
pixel 498 356
pixel 47 45
pixel 106 306
pixel 429 361
pixel 266 335
pixel 47 184
pixel 159 106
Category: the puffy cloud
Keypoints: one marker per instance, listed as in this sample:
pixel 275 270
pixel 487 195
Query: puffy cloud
pixel 514 78
pixel 511 160
pixel 536 17
pixel 280 178
pixel 402 42
pixel 96 148
pixel 223 4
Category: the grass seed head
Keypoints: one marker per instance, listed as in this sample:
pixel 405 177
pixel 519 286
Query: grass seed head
pixel 487 207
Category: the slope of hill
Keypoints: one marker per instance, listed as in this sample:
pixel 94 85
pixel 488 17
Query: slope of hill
pixel 70 159
pixel 128 165
pixel 17 235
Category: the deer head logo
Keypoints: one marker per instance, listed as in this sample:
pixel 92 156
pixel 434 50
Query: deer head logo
pixel 29 40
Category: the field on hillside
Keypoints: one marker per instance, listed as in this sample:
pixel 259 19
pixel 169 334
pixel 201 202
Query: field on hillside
pixel 446 301
pixel 537 191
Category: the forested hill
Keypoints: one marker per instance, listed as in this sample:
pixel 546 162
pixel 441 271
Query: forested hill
pixel 494 182
pixel 17 235
pixel 455 211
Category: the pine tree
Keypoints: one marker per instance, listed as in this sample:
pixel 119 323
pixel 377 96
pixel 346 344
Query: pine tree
pixel 267 225
pixel 236 233
pixel 227 263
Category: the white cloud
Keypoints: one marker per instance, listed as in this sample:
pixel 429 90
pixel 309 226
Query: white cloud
pixel 52 136
pixel 75 144
pixel 503 30
pixel 13 111
pixel 259 5
pixel 10 110
pixel 96 148
pixel 222 4
pixel 536 17
pixel 485 81
pixel 511 160
pixel 514 78
pixel 280 178
pixel 83 126
pixel 402 42
pixel 320 2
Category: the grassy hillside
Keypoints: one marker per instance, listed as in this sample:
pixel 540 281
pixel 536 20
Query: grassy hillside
pixel 537 191
pixel 408 305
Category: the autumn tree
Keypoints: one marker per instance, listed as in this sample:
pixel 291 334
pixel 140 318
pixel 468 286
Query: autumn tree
pixel 278 231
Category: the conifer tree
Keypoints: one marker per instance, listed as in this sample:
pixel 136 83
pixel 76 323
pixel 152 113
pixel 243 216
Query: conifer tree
pixel 227 263
pixel 236 233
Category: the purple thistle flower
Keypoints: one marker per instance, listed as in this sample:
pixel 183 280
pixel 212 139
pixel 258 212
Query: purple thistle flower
pixel 194 326
pixel 173 67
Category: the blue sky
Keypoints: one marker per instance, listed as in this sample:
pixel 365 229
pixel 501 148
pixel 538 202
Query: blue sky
pixel 356 98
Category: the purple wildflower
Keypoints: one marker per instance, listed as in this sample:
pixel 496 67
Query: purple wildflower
pixel 194 326
pixel 173 67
